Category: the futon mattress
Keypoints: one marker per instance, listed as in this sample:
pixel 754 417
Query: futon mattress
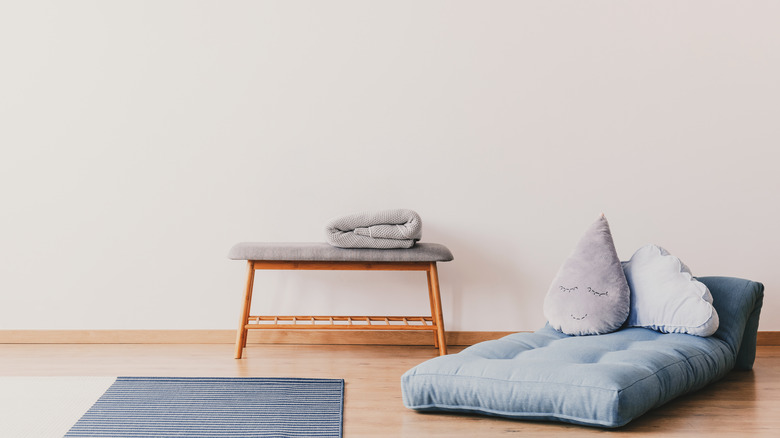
pixel 602 380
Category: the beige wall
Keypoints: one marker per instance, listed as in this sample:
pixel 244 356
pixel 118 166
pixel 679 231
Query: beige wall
pixel 140 140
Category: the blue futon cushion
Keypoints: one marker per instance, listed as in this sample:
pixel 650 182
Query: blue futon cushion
pixel 605 380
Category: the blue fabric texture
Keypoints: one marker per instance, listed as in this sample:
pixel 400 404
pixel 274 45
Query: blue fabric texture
pixel 605 380
pixel 738 302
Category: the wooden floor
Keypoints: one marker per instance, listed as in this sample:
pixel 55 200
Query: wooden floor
pixel 744 404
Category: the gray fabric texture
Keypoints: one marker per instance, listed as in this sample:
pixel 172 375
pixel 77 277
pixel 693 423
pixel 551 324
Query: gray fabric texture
pixel 319 251
pixel 590 294
pixel 384 229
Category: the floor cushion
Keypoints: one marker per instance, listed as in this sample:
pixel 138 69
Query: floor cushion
pixel 604 380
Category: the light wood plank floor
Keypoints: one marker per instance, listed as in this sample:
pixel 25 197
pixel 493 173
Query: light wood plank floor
pixel 743 404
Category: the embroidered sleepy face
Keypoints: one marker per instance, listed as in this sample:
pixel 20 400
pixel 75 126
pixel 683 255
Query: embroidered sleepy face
pixel 581 303
pixel 589 295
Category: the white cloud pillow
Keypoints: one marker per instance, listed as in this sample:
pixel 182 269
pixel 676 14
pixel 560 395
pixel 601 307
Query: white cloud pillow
pixel 665 296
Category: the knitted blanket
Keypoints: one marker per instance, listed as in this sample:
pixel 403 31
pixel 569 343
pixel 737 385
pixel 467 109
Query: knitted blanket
pixel 385 229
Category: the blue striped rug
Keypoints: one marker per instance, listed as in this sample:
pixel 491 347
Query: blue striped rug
pixel 215 407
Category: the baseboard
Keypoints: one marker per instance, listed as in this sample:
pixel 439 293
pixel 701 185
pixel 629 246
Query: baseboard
pixel 328 337
pixel 768 338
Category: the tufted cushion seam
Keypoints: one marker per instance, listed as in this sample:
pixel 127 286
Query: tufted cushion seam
pixel 572 418
pixel 686 360
pixel 518 381
pixel 655 373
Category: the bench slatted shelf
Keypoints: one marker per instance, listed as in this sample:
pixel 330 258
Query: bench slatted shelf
pixel 321 256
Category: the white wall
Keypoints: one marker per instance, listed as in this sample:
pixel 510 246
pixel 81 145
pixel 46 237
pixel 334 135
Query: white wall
pixel 142 139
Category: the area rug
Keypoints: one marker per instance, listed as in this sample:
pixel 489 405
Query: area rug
pixel 190 406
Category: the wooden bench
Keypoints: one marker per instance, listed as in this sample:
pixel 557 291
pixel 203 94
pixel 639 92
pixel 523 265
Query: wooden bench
pixel 321 256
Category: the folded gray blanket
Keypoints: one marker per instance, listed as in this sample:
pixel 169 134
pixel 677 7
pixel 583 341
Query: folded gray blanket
pixel 385 229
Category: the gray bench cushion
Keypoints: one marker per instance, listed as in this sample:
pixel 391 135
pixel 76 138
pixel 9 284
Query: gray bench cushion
pixel 421 252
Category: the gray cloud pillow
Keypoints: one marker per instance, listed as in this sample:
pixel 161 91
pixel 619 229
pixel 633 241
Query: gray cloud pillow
pixel 589 295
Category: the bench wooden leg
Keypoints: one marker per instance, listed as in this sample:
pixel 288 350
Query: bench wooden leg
pixel 433 307
pixel 241 335
pixel 438 318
